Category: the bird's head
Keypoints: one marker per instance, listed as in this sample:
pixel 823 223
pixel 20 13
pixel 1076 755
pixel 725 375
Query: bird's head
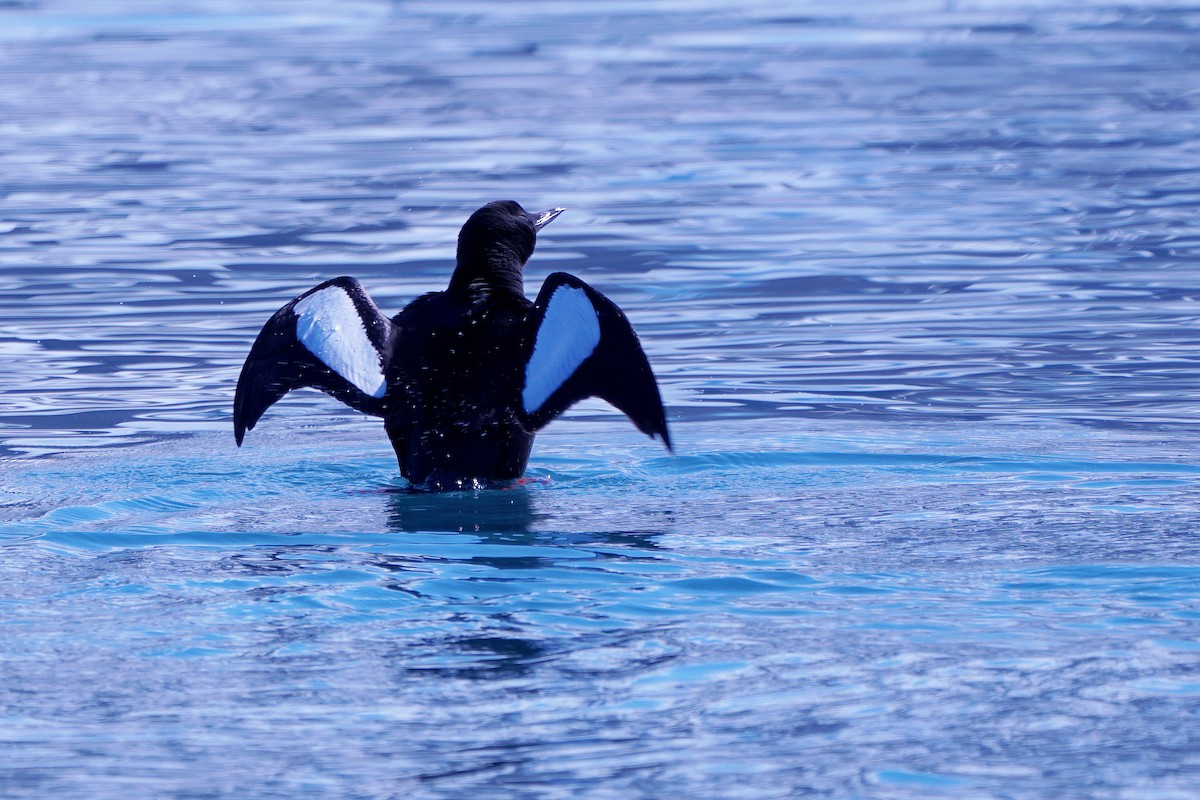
pixel 494 245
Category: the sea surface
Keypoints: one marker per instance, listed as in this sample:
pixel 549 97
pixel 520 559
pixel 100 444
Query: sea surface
pixel 920 281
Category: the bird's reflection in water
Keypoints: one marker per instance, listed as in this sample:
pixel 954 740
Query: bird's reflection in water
pixel 520 552
pixel 514 515
pixel 488 511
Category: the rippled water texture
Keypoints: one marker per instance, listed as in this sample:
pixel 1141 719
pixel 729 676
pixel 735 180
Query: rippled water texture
pixel 919 280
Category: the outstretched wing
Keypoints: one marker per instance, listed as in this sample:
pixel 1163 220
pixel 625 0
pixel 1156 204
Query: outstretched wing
pixel 332 337
pixel 581 345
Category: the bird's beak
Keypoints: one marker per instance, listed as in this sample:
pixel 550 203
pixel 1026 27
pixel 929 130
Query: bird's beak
pixel 546 217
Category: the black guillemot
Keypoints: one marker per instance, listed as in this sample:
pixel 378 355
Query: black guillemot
pixel 463 378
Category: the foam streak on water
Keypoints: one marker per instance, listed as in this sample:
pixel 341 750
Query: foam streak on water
pixel 920 283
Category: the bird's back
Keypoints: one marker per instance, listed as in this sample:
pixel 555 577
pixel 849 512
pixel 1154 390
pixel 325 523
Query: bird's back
pixel 455 383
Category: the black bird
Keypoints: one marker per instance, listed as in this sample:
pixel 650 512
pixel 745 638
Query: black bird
pixel 462 378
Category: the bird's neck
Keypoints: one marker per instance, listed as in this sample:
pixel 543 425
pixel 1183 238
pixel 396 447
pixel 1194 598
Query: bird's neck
pixel 494 275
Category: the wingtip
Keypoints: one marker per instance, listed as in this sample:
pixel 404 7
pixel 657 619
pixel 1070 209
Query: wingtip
pixel 659 430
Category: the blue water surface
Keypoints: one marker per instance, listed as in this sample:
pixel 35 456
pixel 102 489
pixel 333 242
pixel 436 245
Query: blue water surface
pixel 920 282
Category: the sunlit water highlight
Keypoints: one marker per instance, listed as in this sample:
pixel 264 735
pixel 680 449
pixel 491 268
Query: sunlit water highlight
pixel 919 281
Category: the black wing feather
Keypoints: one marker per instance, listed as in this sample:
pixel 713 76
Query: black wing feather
pixel 616 371
pixel 279 362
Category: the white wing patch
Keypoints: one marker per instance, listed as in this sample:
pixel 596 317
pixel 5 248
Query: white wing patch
pixel 328 324
pixel 569 333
